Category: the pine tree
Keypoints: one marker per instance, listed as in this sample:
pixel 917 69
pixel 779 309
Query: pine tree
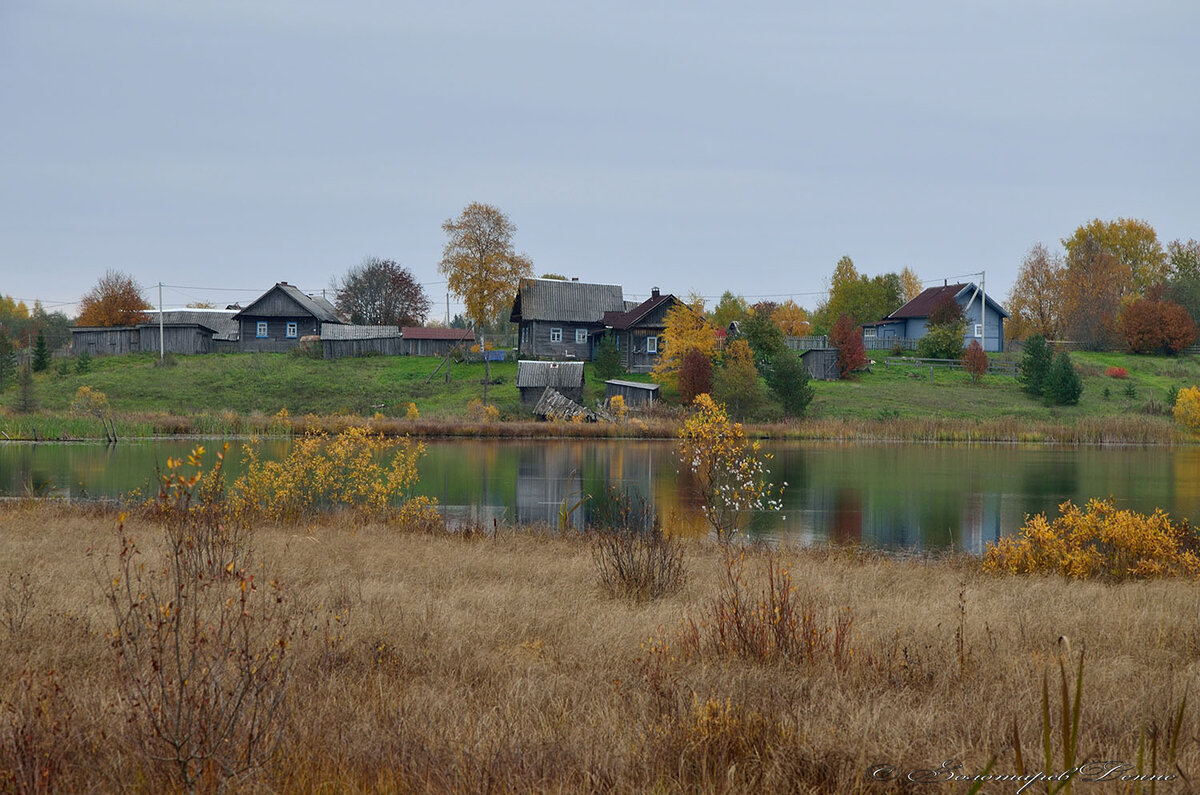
pixel 788 379
pixel 1035 364
pixel 1063 385
pixel 27 400
pixel 8 362
pixel 608 358
pixel 41 356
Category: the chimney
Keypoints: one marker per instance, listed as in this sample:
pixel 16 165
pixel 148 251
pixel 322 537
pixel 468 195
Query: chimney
pixel 945 282
pixel 654 292
pixel 574 278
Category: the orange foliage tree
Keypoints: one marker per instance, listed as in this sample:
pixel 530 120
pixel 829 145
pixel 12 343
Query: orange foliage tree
pixel 116 300
pixel 1151 326
pixel 975 361
pixel 792 319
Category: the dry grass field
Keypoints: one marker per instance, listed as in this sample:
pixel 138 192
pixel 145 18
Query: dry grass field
pixel 451 663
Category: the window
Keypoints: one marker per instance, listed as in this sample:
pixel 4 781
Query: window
pixel 580 336
pixel 524 335
pixel 556 335
pixel 868 333
pixel 978 329
pixel 260 328
pixel 651 344
pixel 291 331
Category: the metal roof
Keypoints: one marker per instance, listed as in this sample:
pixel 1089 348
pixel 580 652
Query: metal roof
pixel 437 333
pixel 560 375
pixel 633 384
pixel 631 317
pixel 333 331
pixel 924 303
pixel 568 302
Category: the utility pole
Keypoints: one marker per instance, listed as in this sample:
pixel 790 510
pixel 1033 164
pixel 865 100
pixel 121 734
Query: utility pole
pixel 161 333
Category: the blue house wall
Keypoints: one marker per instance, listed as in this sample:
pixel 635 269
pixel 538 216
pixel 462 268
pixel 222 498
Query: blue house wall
pixel 914 328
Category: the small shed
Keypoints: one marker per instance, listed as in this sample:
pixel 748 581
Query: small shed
pixel 338 342
pixel 422 341
pixel 565 377
pixel 634 393
pixel 822 363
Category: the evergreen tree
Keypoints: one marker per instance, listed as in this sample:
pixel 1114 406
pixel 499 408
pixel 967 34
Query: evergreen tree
pixel 1035 365
pixel 27 401
pixel 788 379
pixel 8 362
pixel 1063 385
pixel 607 363
pixel 41 356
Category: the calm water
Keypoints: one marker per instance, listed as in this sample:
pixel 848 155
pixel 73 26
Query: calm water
pixel 901 496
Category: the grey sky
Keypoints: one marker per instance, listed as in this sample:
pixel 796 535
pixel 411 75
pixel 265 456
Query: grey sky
pixel 688 145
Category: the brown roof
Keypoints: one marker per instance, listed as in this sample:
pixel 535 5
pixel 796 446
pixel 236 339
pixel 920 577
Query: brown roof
pixel 623 320
pixel 924 303
pixel 437 333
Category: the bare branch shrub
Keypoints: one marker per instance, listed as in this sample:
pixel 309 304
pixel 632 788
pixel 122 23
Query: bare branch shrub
pixel 633 557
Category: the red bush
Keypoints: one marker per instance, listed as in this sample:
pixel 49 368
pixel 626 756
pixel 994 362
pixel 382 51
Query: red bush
pixel 1178 328
pixel 975 361
pixel 847 338
pixel 1156 326
pixel 1117 372
pixel 695 376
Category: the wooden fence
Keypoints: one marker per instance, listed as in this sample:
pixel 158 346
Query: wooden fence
pixel 994 367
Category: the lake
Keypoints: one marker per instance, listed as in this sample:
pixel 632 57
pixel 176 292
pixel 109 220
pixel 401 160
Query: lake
pixel 905 496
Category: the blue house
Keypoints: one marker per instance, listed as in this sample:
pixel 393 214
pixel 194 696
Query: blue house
pixel 985 318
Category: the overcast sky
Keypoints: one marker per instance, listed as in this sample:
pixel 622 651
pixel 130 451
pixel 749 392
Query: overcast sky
pixel 694 146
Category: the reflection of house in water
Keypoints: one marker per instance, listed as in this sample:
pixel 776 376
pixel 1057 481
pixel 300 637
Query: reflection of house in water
pixel 549 475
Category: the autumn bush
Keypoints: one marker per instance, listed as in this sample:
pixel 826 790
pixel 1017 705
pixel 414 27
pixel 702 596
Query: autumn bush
pixel 1098 541
pixel 695 375
pixel 365 473
pixel 1156 326
pixel 1187 408
pixel 1117 372
pixel 847 338
pixel 975 361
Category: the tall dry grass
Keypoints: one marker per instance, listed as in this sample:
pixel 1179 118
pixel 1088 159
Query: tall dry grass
pixel 434 663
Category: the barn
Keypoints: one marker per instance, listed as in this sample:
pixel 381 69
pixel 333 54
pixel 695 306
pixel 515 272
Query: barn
pixel 534 377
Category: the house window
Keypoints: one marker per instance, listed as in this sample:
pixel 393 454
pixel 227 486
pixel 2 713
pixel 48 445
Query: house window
pixel 524 335
pixel 978 329
pixel 556 335
pixel 580 336
pixel 291 331
pixel 869 333
pixel 651 344
pixel 260 328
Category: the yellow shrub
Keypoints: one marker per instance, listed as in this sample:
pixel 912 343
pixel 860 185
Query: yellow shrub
pixel 1187 409
pixel 367 473
pixel 477 412
pixel 617 407
pixel 412 412
pixel 1098 541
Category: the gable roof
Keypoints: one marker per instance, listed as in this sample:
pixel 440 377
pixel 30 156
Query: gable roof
pixel 631 317
pixel 924 303
pixel 437 333
pixel 569 302
pixel 560 375
pixel 319 308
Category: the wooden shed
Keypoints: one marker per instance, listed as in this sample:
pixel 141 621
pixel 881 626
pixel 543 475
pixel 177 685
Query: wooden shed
pixel 822 363
pixel 339 342
pixel 422 341
pixel 534 377
pixel 634 393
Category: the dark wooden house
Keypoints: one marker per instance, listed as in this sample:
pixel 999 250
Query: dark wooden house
pixel 183 331
pixel 638 332
pixel 280 317
pixel 534 377
pixel 421 341
pixel 559 319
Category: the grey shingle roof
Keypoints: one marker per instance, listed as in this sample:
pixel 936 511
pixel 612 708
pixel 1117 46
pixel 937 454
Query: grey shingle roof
pixel 560 375
pixel 570 302
pixel 319 308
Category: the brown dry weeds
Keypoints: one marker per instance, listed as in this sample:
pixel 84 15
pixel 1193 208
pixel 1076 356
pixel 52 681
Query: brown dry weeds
pixel 437 663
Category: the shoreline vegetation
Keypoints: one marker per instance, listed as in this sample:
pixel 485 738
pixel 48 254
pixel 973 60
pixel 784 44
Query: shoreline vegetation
pixel 499 662
pixel 281 395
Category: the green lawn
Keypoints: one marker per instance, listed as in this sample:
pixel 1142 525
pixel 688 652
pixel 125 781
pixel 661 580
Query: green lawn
pixel 248 384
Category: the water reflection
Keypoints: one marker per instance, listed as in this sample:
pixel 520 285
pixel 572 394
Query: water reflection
pixel 910 496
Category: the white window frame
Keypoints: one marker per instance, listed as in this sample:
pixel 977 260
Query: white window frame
pixel 556 335
pixel 260 329
pixel 651 344
pixel 580 336
pixel 293 331
pixel 979 330
pixel 869 332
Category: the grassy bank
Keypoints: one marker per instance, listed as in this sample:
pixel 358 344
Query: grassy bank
pixel 444 663
pixel 245 393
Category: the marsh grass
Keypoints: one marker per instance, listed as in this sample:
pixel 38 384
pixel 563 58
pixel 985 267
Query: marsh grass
pixel 433 662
